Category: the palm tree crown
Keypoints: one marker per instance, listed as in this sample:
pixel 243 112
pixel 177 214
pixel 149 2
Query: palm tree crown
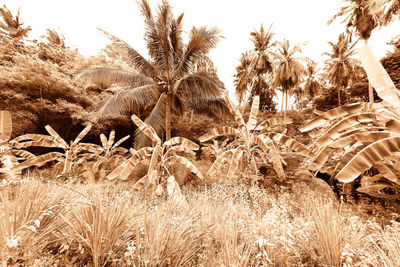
pixel 289 69
pixel 362 15
pixel 177 75
pixel 252 73
pixel 340 64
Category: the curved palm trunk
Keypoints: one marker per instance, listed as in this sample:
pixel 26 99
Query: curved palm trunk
pixel 168 118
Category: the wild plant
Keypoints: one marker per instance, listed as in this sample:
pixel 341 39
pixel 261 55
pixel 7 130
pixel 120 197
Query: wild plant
pixel 362 139
pixel 250 142
pixel 162 157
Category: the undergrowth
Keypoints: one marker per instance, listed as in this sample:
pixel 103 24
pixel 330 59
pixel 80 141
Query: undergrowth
pixel 108 224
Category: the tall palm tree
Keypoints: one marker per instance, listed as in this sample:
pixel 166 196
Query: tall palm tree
pixel 289 70
pixel 255 66
pixel 363 16
pixel 177 75
pixel 243 77
pixel 312 85
pixel 340 64
pixel 11 26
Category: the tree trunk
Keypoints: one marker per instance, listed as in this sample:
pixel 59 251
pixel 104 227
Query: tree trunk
pixel 168 118
pixel 338 95
pixel 370 93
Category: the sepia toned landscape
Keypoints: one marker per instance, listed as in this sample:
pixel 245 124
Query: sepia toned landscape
pixel 147 158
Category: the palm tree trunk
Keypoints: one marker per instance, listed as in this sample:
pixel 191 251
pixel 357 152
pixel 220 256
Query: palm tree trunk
pixel 338 95
pixel 370 93
pixel 168 118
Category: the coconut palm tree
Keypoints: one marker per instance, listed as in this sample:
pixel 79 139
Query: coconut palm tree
pixel 312 85
pixel 289 70
pixel 363 16
pixel 255 66
pixel 340 64
pixel 177 75
pixel 243 77
pixel 11 26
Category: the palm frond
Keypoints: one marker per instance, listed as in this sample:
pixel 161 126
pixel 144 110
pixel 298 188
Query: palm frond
pixel 216 108
pixel 130 100
pixel 135 59
pixel 109 77
pixel 201 84
pixel 201 41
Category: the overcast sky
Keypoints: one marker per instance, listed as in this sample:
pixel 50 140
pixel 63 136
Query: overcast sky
pixel 297 21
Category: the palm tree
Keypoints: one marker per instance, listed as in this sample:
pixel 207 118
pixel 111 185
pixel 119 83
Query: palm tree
pixel 254 66
pixel 243 77
pixel 289 70
pixel 177 75
pixel 312 85
pixel 363 16
pixel 340 64
pixel 12 26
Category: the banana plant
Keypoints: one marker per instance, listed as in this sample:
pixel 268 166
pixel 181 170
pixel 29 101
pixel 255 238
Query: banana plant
pixel 9 156
pixel 161 158
pixel 67 159
pixel 362 139
pixel 100 160
pixel 251 140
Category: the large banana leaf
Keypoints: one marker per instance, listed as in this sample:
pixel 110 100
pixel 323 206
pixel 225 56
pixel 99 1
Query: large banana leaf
pixel 214 133
pixel 126 168
pixel 225 156
pixel 186 163
pixel 147 130
pixel 82 134
pixel 346 124
pixel 5 125
pixel 111 139
pixel 38 161
pixel 56 137
pixel 236 157
pixel 29 140
pixel 120 141
pixel 335 113
pixel 183 142
pixel 252 122
pixel 289 142
pixel 378 77
pixel 268 123
pixel 367 157
pixel 176 149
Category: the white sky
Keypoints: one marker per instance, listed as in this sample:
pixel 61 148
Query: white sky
pixel 297 21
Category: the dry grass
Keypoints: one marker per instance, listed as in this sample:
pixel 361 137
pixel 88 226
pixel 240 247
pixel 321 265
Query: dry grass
pixel 109 225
